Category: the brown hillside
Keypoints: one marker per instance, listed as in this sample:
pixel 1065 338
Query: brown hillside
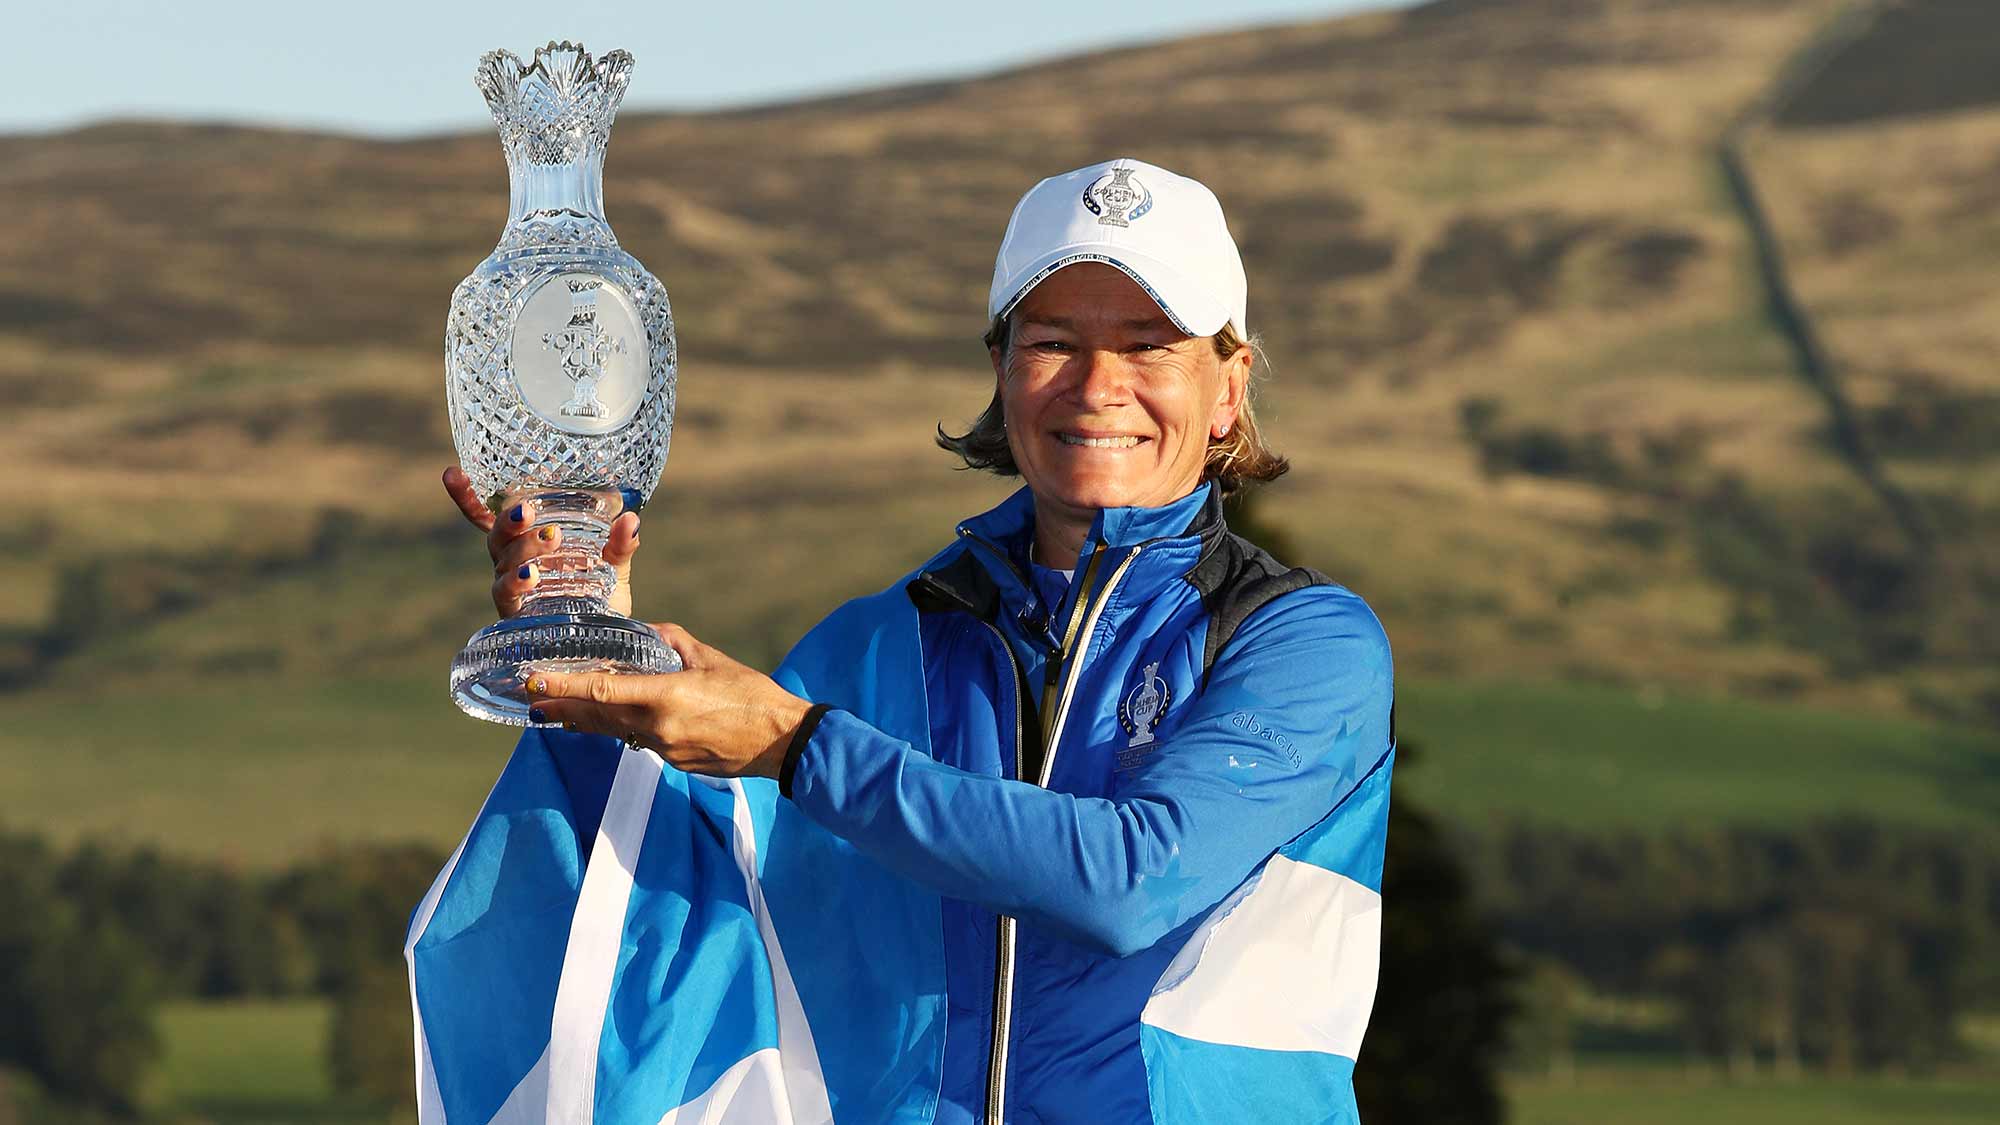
pixel 1538 413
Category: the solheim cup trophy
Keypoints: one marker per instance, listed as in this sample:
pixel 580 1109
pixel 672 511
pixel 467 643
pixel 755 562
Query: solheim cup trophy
pixel 559 373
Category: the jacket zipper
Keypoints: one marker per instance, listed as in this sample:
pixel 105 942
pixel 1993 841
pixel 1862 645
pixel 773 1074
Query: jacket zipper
pixel 1052 667
pixel 1003 953
pixel 1052 735
pixel 1083 616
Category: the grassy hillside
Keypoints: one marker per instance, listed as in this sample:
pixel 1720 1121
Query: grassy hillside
pixel 262 779
pixel 1538 412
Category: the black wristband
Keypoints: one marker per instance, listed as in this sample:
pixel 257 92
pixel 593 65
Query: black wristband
pixel 797 746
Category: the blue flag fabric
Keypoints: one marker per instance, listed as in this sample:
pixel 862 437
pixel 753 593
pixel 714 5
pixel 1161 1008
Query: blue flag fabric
pixel 604 945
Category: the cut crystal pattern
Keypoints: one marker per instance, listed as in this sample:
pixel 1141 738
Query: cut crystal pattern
pixel 554 114
pixel 556 108
pixel 502 444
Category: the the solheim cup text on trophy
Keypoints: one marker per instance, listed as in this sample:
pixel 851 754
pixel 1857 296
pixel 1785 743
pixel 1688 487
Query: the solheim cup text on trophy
pixel 559 371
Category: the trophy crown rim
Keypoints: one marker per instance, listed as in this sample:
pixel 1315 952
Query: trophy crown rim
pixel 563 66
pixel 610 61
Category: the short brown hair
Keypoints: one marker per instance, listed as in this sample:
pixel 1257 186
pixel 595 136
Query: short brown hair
pixel 1234 460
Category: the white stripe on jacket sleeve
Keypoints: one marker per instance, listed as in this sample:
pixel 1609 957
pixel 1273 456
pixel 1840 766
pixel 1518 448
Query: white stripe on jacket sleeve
pixel 1287 963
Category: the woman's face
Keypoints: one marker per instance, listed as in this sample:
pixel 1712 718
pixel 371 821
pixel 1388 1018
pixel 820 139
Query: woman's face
pixel 1108 405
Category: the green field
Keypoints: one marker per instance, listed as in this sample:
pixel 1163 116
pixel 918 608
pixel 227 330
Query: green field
pixel 265 1062
pixel 257 778
pixel 262 776
pixel 1606 757
pixel 275 773
pixel 250 1061
pixel 1641 1096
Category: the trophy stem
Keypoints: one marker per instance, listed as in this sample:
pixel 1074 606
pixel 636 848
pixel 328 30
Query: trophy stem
pixel 567 626
pixel 576 570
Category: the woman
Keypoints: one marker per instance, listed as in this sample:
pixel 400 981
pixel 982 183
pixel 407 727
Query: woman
pixel 1133 715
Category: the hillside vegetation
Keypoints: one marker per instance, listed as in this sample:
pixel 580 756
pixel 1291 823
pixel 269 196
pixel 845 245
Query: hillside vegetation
pixel 1539 411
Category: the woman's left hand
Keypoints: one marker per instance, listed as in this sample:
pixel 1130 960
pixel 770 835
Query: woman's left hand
pixel 715 717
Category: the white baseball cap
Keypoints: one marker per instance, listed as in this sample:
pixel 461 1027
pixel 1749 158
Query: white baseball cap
pixel 1165 231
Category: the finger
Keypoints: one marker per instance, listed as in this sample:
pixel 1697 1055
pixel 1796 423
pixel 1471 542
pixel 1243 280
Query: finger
pixel 596 687
pixel 512 587
pixel 524 549
pixel 459 487
pixel 693 653
pixel 512 524
pixel 628 723
pixel 623 542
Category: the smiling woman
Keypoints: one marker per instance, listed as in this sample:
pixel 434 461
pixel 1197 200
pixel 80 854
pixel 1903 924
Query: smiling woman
pixel 1082 820
pixel 1237 457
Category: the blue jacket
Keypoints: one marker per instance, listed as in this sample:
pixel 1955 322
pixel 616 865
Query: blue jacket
pixel 1098 781
pixel 1176 919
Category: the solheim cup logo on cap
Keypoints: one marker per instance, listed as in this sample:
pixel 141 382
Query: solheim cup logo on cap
pixel 1140 711
pixel 1113 194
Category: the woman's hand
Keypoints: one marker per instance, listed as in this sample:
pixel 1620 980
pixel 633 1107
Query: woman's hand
pixel 715 716
pixel 514 550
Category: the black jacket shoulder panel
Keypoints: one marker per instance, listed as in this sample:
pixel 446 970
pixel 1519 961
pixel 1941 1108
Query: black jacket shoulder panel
pixel 961 584
pixel 1236 578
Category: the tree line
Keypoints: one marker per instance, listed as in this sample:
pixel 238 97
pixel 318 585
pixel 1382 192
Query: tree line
pixel 1842 945
pixel 93 939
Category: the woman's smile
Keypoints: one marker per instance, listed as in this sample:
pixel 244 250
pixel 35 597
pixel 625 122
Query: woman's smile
pixel 1085 439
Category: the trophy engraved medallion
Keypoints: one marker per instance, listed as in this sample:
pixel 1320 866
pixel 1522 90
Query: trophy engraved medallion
pixel 559 375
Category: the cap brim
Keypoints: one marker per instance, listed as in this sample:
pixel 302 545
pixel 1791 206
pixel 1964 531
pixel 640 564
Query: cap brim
pixel 1191 307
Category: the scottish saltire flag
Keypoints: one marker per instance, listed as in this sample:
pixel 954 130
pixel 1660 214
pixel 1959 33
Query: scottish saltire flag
pixel 620 943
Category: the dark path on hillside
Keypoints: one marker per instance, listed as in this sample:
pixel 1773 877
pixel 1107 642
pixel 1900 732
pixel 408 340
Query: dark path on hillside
pixel 1815 364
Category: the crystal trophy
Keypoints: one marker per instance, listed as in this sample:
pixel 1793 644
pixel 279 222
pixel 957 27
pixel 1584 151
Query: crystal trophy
pixel 559 375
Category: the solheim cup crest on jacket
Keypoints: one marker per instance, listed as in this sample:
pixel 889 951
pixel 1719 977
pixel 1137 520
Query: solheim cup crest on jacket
pixel 559 375
pixel 1140 711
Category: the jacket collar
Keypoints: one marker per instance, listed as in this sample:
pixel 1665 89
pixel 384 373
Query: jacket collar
pixel 1176 536
pixel 1010 525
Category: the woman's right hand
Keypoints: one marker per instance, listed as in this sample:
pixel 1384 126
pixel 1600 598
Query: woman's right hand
pixel 514 550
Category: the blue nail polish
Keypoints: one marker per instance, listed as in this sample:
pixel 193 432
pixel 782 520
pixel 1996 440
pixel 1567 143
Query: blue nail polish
pixel 526 570
pixel 537 715
pixel 515 513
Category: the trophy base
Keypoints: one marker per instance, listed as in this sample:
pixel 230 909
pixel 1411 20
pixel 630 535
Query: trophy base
pixel 565 635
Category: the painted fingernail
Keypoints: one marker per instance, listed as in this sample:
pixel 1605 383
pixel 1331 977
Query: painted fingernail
pixel 526 572
pixel 537 715
pixel 568 725
pixel 539 685
pixel 516 513
pixel 547 533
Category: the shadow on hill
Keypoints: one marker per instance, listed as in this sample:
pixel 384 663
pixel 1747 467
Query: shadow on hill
pixel 1930 56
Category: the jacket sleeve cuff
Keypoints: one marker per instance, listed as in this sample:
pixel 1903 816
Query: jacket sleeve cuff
pixel 797 747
